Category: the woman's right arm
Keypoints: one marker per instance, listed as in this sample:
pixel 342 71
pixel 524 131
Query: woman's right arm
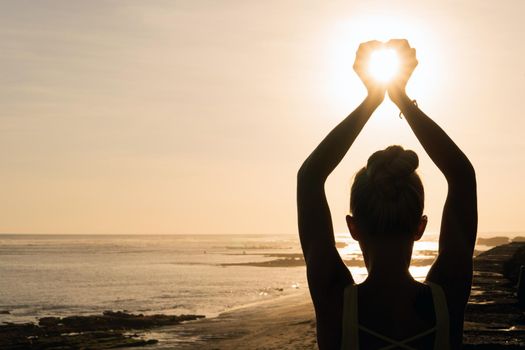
pixel 453 267
pixel 324 266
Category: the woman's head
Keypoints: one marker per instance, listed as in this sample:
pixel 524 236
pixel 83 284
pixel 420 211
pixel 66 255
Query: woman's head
pixel 387 195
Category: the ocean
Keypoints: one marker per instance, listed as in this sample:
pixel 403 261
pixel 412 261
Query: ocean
pixel 61 275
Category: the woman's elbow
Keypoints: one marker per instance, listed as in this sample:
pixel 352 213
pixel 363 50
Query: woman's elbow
pixel 308 176
pixel 469 173
pixel 304 174
pixel 463 176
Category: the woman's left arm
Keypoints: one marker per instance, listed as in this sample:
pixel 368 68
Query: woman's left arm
pixel 325 268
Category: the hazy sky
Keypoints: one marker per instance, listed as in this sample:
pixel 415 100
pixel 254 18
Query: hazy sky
pixel 194 116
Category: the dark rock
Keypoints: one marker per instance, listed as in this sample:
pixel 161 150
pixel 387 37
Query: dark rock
pixel 493 319
pixel 104 331
pixel 493 241
pixel 511 267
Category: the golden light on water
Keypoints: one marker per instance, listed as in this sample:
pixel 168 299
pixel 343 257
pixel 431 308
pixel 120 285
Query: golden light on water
pixel 383 64
pixel 423 250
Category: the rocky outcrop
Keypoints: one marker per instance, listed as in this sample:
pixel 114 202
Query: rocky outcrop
pixel 107 331
pixel 493 319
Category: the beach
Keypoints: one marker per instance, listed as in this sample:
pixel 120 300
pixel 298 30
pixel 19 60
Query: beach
pixel 493 320
pixel 78 275
pixel 284 320
pixel 285 323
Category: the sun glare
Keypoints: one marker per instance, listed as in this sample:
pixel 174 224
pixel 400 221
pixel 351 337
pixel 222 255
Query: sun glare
pixel 383 65
pixel 341 40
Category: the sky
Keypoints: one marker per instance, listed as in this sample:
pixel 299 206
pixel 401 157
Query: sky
pixel 193 117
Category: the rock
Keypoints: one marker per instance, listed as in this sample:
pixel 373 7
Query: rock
pixel 511 267
pixel 340 244
pixel 493 319
pixel 493 241
pixel 90 332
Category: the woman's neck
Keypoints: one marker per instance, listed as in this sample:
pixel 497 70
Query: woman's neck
pixel 388 275
pixel 388 264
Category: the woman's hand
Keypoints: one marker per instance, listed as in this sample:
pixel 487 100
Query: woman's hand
pixel 376 90
pixel 407 64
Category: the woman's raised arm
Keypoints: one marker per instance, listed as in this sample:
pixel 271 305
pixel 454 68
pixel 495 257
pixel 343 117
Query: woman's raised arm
pixel 453 268
pixel 324 265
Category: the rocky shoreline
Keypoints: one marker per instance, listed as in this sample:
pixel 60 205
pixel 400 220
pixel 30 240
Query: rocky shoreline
pixel 297 260
pixel 107 331
pixel 493 319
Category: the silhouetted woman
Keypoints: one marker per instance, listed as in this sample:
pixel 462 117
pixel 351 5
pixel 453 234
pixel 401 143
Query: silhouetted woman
pixel 389 310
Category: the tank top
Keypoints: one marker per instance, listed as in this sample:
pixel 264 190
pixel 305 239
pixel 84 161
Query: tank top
pixel 351 326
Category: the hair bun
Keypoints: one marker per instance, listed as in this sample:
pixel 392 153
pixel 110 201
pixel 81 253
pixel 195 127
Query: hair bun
pixel 389 169
pixel 387 196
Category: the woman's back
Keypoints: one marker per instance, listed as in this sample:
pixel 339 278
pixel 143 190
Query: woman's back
pixel 413 317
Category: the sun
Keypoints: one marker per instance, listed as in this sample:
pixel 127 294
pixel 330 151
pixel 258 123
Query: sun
pixel 338 42
pixel 383 64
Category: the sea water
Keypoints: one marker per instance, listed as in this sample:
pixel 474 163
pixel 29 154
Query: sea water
pixel 60 275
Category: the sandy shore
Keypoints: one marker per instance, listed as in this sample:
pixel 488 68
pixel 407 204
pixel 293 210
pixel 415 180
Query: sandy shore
pixel 493 320
pixel 285 323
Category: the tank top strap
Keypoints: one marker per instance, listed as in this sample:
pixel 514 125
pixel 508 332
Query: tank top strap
pixel 350 327
pixel 350 324
pixel 442 338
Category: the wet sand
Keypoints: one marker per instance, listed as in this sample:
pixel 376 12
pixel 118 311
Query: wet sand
pixel 285 323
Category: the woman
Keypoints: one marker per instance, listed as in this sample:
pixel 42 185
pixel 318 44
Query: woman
pixel 389 310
